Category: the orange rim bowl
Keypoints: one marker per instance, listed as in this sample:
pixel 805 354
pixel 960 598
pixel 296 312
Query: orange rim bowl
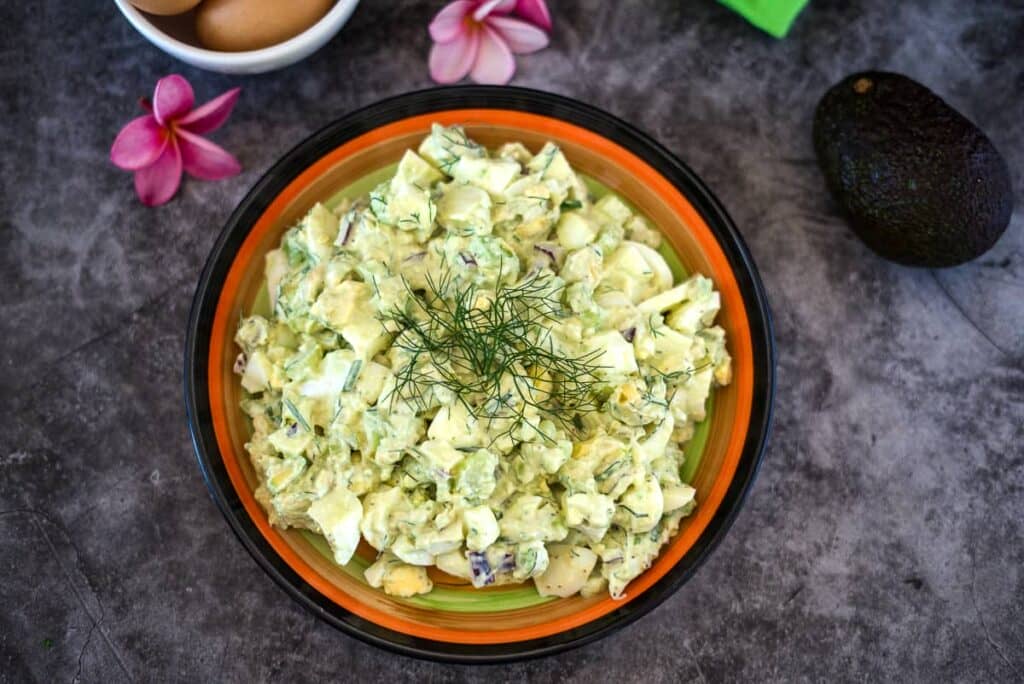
pixel 613 153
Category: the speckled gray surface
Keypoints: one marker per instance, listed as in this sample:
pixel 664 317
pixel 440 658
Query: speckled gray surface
pixel 884 538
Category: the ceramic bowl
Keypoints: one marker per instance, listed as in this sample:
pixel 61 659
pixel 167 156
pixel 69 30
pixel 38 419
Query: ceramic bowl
pixel 456 622
pixel 249 61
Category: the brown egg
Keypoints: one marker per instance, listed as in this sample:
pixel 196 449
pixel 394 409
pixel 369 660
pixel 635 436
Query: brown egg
pixel 236 25
pixel 165 7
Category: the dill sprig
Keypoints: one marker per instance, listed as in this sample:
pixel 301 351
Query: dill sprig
pixel 493 350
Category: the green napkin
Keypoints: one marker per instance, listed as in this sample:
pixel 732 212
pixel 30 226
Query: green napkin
pixel 771 16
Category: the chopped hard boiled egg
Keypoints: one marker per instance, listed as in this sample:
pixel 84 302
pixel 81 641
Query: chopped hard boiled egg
pixel 482 367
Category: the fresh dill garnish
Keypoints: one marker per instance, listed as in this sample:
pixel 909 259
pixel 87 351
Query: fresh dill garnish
pixel 297 415
pixel 493 350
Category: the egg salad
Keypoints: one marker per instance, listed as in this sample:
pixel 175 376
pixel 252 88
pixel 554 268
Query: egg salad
pixel 480 367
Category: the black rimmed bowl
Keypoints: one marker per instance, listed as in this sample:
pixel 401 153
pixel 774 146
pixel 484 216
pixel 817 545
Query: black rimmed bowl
pixel 456 622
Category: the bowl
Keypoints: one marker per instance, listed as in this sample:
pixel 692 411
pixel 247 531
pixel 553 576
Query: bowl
pixel 248 62
pixel 456 622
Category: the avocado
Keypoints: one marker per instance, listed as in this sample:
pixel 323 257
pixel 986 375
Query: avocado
pixel 920 183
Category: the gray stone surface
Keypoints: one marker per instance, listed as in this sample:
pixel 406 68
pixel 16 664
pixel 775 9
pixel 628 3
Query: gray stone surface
pixel 883 539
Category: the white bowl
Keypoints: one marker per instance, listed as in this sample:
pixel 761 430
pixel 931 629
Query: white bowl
pixel 250 61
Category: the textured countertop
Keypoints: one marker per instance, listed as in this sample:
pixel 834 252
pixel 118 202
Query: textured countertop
pixel 884 538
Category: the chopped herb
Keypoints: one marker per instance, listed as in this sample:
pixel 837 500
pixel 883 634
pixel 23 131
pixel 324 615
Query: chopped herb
pixel 477 353
pixel 297 415
pixel 653 327
pixel 569 205
pixel 606 473
pixel 353 375
pixel 380 200
pixel 551 158
pixel 632 512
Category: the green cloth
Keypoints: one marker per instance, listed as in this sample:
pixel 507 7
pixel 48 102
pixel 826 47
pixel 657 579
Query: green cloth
pixel 771 16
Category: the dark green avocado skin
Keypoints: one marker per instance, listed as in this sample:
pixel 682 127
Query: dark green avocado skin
pixel 921 184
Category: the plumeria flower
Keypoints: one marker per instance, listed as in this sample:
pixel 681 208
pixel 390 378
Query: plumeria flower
pixel 167 140
pixel 479 38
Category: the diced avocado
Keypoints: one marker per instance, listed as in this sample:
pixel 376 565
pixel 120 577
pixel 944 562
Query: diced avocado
pixel 445 146
pixel 321 228
pixel 615 208
pixel 474 476
pixel 282 472
pixel 551 163
pixel 415 170
pixel 532 518
pixel 275 268
pixel 493 175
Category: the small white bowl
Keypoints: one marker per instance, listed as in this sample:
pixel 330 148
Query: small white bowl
pixel 250 61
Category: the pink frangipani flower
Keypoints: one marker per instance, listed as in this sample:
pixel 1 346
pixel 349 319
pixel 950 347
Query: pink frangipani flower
pixel 535 12
pixel 479 38
pixel 167 140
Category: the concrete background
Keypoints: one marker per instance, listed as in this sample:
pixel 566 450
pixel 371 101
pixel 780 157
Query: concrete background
pixel 883 539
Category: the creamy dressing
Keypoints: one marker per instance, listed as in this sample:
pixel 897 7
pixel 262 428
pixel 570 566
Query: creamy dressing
pixel 477 366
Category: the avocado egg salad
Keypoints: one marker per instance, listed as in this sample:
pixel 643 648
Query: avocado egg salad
pixel 480 367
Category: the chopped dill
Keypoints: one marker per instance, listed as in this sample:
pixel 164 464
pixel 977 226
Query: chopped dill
pixel 353 375
pixel 632 512
pixel 297 415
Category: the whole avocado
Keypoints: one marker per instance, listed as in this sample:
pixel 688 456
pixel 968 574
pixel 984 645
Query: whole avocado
pixel 921 184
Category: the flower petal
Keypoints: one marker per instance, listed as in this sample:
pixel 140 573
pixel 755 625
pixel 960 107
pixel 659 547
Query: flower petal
pixel 496 6
pixel 204 159
pixel 450 22
pixel 494 63
pixel 450 62
pixel 158 182
pixel 210 116
pixel 522 38
pixel 172 98
pixel 138 144
pixel 535 12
